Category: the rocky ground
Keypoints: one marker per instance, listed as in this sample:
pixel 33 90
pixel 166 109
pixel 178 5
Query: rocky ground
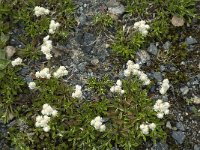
pixel 87 54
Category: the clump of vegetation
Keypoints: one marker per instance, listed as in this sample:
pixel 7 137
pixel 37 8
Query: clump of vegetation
pixel 126 44
pixel 102 22
pixel 161 27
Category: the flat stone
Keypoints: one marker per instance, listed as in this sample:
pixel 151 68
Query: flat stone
pixel 160 146
pixel 168 125
pixel 142 56
pixel 167 45
pixel 10 51
pixel 115 8
pixel 180 126
pixel 158 76
pixel 88 42
pixel 179 136
pixel 95 61
pixel 82 19
pixel 190 40
pixel 152 49
pixel 196 147
pixel 82 66
pixel 162 68
pixel 184 90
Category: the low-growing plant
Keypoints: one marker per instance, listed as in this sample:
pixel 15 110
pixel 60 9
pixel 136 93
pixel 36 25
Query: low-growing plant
pixel 126 44
pixel 72 129
pixel 11 87
pixel 102 22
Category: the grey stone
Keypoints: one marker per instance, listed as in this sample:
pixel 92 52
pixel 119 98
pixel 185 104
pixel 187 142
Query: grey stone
pixel 158 76
pixel 168 125
pixel 95 61
pixel 152 49
pixel 115 8
pixel 82 66
pixel 184 90
pixel 88 42
pixel 179 136
pixel 180 126
pixel 196 147
pixel 162 68
pixel 82 19
pixel 190 40
pixel 167 45
pixel 160 146
pixel 142 56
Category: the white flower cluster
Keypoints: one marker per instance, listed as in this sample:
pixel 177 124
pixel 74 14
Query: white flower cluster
pixel 117 88
pixel 98 124
pixel 53 26
pixel 78 92
pixel 44 73
pixel 134 69
pixel 32 85
pixel 47 47
pixel 42 121
pixel 145 127
pixel 39 11
pixel 142 27
pixel 164 87
pixel 48 110
pixel 60 72
pixel 16 62
pixel 162 108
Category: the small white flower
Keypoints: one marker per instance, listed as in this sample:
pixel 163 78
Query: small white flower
pixel 92 122
pixel 98 119
pixel 32 85
pixel 44 73
pixel 97 124
pixel 54 113
pixel 160 115
pixel 102 128
pixel 142 27
pixel 46 129
pixel 53 26
pixel 78 92
pixel 60 72
pixel 152 126
pixel 16 62
pixel 39 11
pixel 127 73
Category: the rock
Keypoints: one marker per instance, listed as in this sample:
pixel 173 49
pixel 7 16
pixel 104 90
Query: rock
pixel 167 45
pixel 168 125
pixel 162 68
pixel 82 66
pixel 160 146
pixel 95 61
pixel 152 49
pixel 82 19
pixel 180 126
pixel 88 42
pixel 196 147
pixel 115 8
pixel 190 40
pixel 10 51
pixel 142 57
pixel 15 42
pixel 179 136
pixel 184 90
pixel 158 76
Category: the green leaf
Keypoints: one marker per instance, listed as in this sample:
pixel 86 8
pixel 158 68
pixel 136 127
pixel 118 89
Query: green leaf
pixel 3 63
pixel 2 54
